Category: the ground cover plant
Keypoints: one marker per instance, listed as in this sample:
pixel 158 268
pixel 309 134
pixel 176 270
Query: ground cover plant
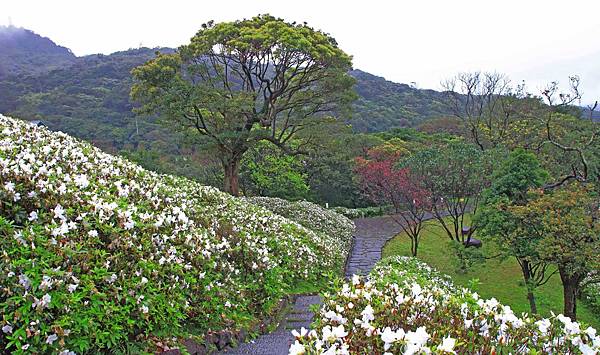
pixel 97 252
pixel 407 307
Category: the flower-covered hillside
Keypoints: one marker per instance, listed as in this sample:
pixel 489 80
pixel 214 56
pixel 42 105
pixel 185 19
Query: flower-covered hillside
pixel 406 307
pixel 97 252
pixel 311 216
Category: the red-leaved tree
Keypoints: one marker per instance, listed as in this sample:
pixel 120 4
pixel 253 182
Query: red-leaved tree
pixel 383 184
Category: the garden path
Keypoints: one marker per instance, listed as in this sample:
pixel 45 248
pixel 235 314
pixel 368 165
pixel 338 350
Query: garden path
pixel 370 236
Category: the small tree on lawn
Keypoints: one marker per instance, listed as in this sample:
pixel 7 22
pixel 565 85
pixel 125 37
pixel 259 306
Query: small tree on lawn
pixel 511 182
pixel 241 82
pixel 565 221
pixel 454 177
pixel 398 187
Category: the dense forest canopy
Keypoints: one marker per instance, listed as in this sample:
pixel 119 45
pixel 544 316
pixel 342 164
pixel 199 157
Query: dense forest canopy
pixel 88 97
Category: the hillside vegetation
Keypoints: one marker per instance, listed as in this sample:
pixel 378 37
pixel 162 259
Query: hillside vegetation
pixel 88 97
pixel 383 105
pixel 98 253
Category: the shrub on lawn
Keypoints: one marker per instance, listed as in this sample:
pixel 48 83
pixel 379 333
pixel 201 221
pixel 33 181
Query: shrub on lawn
pixel 97 252
pixel 406 307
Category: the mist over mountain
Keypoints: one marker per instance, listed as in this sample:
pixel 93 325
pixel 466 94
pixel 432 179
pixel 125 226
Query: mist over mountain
pixel 25 52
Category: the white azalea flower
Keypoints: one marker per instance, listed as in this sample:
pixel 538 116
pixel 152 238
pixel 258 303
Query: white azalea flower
pixel 7 329
pixel 33 216
pixel 51 339
pixel 447 345
pixel 300 334
pixel 297 349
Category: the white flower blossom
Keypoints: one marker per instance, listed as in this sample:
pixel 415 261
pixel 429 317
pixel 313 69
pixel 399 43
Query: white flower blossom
pixel 51 339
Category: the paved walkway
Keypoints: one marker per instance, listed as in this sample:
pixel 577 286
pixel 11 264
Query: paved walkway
pixel 371 235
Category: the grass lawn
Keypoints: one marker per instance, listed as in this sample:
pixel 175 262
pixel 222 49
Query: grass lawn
pixel 500 279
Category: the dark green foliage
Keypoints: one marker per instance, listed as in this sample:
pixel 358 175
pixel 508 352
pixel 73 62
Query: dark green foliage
pixel 383 104
pixel 511 183
pixel 330 169
pixel 520 172
pixel 266 171
pixel 465 259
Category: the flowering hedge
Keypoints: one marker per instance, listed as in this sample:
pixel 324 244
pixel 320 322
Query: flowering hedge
pixel 363 212
pixel 96 252
pixel 311 216
pixel 406 307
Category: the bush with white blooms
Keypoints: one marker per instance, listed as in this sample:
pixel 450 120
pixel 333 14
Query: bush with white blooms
pixel 97 252
pixel 406 307
pixel 312 216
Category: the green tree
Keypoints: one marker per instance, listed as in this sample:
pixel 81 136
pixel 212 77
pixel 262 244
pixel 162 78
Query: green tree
pixel 511 182
pixel 330 168
pixel 242 82
pixel 265 171
pixel 565 222
pixel 455 176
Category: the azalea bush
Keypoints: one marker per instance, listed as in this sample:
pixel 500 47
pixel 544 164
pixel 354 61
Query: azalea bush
pixel 311 216
pixel 362 212
pixel 97 252
pixel 406 307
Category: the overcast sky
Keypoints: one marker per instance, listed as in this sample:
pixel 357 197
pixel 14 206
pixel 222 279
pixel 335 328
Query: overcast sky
pixel 421 41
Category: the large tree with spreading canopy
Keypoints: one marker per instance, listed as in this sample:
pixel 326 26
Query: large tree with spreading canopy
pixel 242 82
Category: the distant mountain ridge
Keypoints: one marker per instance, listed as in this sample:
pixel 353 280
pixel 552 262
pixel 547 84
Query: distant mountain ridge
pixel 88 97
pixel 382 104
pixel 25 52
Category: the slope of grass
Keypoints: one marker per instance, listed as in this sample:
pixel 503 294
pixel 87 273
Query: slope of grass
pixel 501 279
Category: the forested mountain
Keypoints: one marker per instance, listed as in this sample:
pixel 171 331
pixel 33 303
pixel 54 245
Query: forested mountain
pixel 22 51
pixel 48 80
pixel 88 97
pixel 383 104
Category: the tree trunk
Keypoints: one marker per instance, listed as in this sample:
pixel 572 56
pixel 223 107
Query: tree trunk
pixel 570 292
pixel 526 269
pixel 532 304
pixel 231 169
pixel 415 246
